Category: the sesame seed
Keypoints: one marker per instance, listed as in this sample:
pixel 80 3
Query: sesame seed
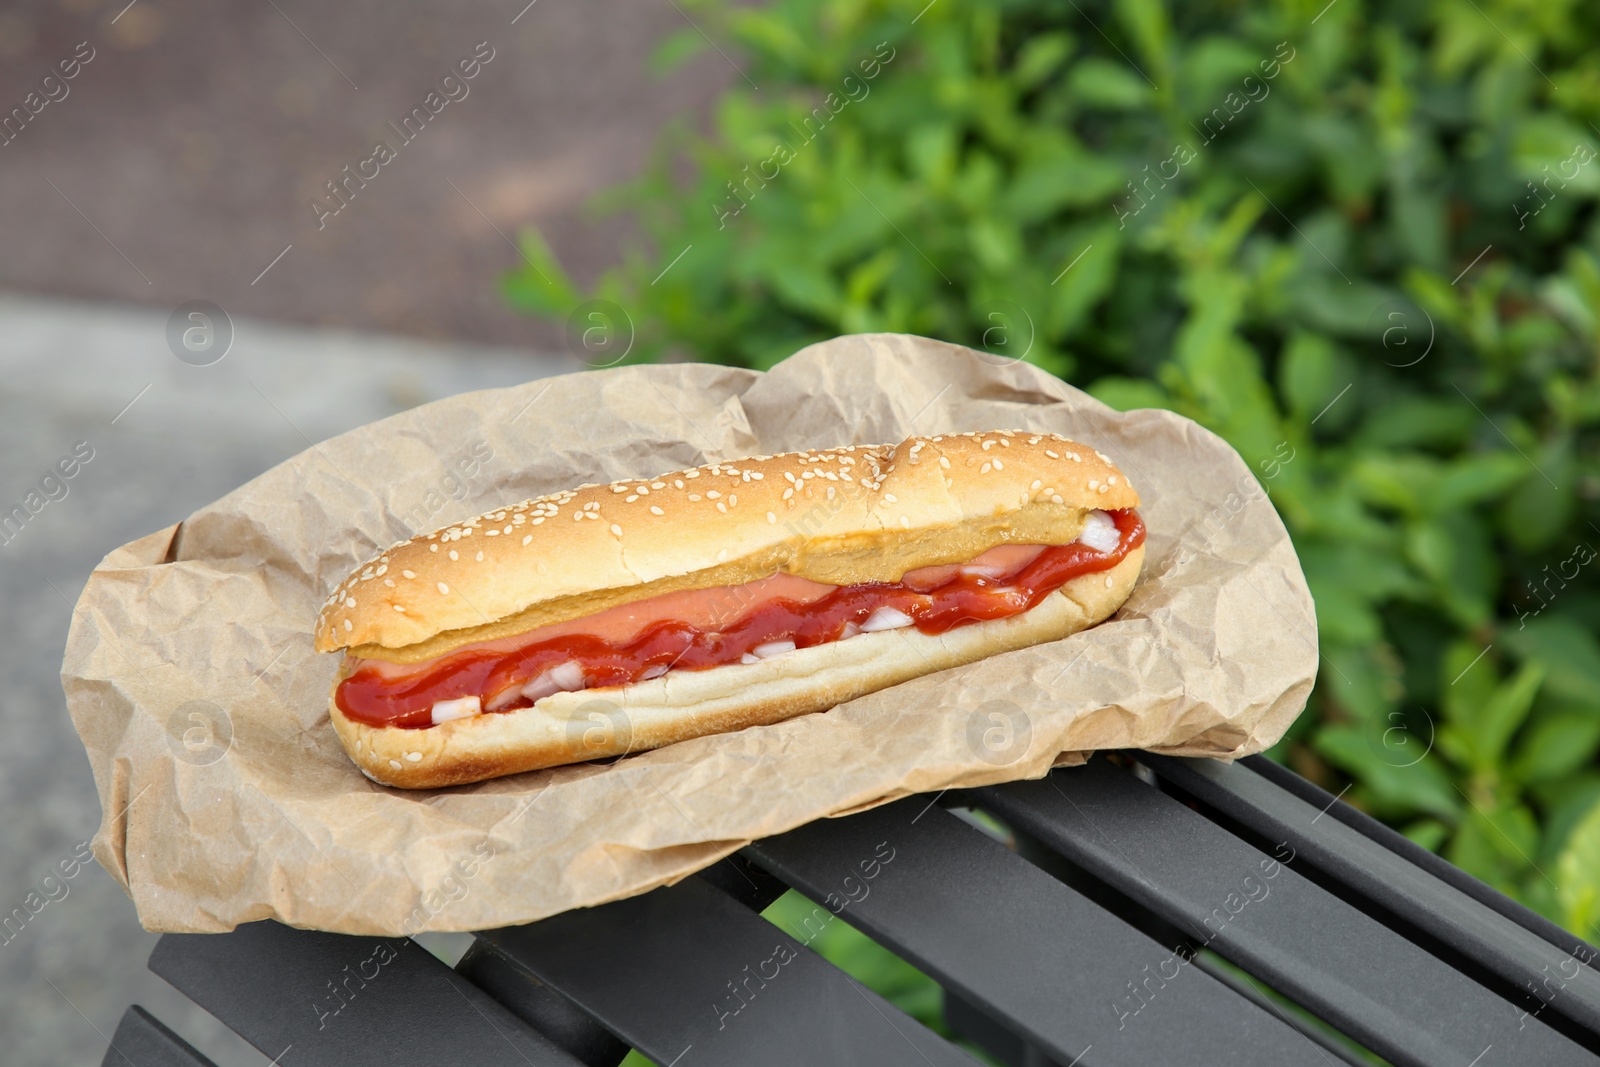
pixel 389 582
pixel 722 507
pixel 349 601
pixel 658 485
pixel 988 445
pixel 616 530
pixel 1036 484
pixel 454 554
pixel 348 626
pixel 491 533
pixel 619 489
pixel 889 498
pixel 1104 488
pixel 694 496
pixel 787 493
pixel 413 756
pixel 1093 483
pixel 1056 499
pixel 433 548
pixel 944 462
pixel 395 764
pixel 1111 480
pixel 1108 581
pixel 905 523
pixel 526 540
pixel 998 465
pixel 772 519
pixel 401 608
pixel 408 574
pixel 712 494
pixel 577 516
pixel 677 483
pixel 1052 455
pixel 722 554
pixel 631 497
pixel 986 468
pixel 537 519
pixel 444 588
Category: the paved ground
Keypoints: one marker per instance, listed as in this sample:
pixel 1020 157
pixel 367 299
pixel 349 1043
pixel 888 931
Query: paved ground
pixel 187 152
pixel 68 372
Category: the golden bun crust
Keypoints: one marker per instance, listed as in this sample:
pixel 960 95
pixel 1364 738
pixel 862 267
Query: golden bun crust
pixel 843 515
pixel 597 723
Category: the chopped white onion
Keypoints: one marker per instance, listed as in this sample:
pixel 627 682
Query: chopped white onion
pixel 562 678
pixel 502 698
pixel 972 570
pixel 462 708
pixel 654 672
pixel 748 658
pixel 850 630
pixel 773 648
pixel 568 675
pixel 885 618
pixel 1099 532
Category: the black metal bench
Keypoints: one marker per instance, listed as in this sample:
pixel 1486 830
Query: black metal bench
pixel 1164 912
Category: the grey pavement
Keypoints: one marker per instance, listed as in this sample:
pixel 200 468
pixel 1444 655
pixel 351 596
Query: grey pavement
pixel 167 437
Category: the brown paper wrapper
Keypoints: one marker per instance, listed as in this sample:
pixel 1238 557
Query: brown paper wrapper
pixel 190 675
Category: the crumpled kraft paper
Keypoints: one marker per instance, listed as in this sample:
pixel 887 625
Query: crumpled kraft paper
pixel 190 675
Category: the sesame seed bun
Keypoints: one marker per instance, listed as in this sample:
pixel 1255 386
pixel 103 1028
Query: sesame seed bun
pixel 597 723
pixel 840 516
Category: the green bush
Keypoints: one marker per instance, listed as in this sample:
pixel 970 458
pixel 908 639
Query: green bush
pixel 1359 241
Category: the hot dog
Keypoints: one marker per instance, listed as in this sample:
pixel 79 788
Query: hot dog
pixel 614 618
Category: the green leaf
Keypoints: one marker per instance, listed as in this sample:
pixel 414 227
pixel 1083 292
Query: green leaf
pixel 540 285
pixel 1566 650
pixel 676 49
pixel 1467 683
pixel 1540 511
pixel 1313 375
pixel 1040 57
pixel 1578 876
pixel 1555 745
pixel 1103 83
pixel 1505 712
pixel 1429 833
pixel 1127 394
pixel 1394 785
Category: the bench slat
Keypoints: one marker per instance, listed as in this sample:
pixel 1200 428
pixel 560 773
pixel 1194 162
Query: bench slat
pixel 1346 968
pixel 1325 844
pixel 347 1001
pixel 142 1040
pixel 1028 950
pixel 1436 865
pixel 687 967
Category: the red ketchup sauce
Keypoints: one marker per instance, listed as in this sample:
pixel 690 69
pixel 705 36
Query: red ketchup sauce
pixel 367 697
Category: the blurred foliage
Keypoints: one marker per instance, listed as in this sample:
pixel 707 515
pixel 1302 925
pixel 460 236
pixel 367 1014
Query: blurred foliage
pixel 1357 240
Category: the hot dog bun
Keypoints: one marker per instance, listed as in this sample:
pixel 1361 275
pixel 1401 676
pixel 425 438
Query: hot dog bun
pixel 596 723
